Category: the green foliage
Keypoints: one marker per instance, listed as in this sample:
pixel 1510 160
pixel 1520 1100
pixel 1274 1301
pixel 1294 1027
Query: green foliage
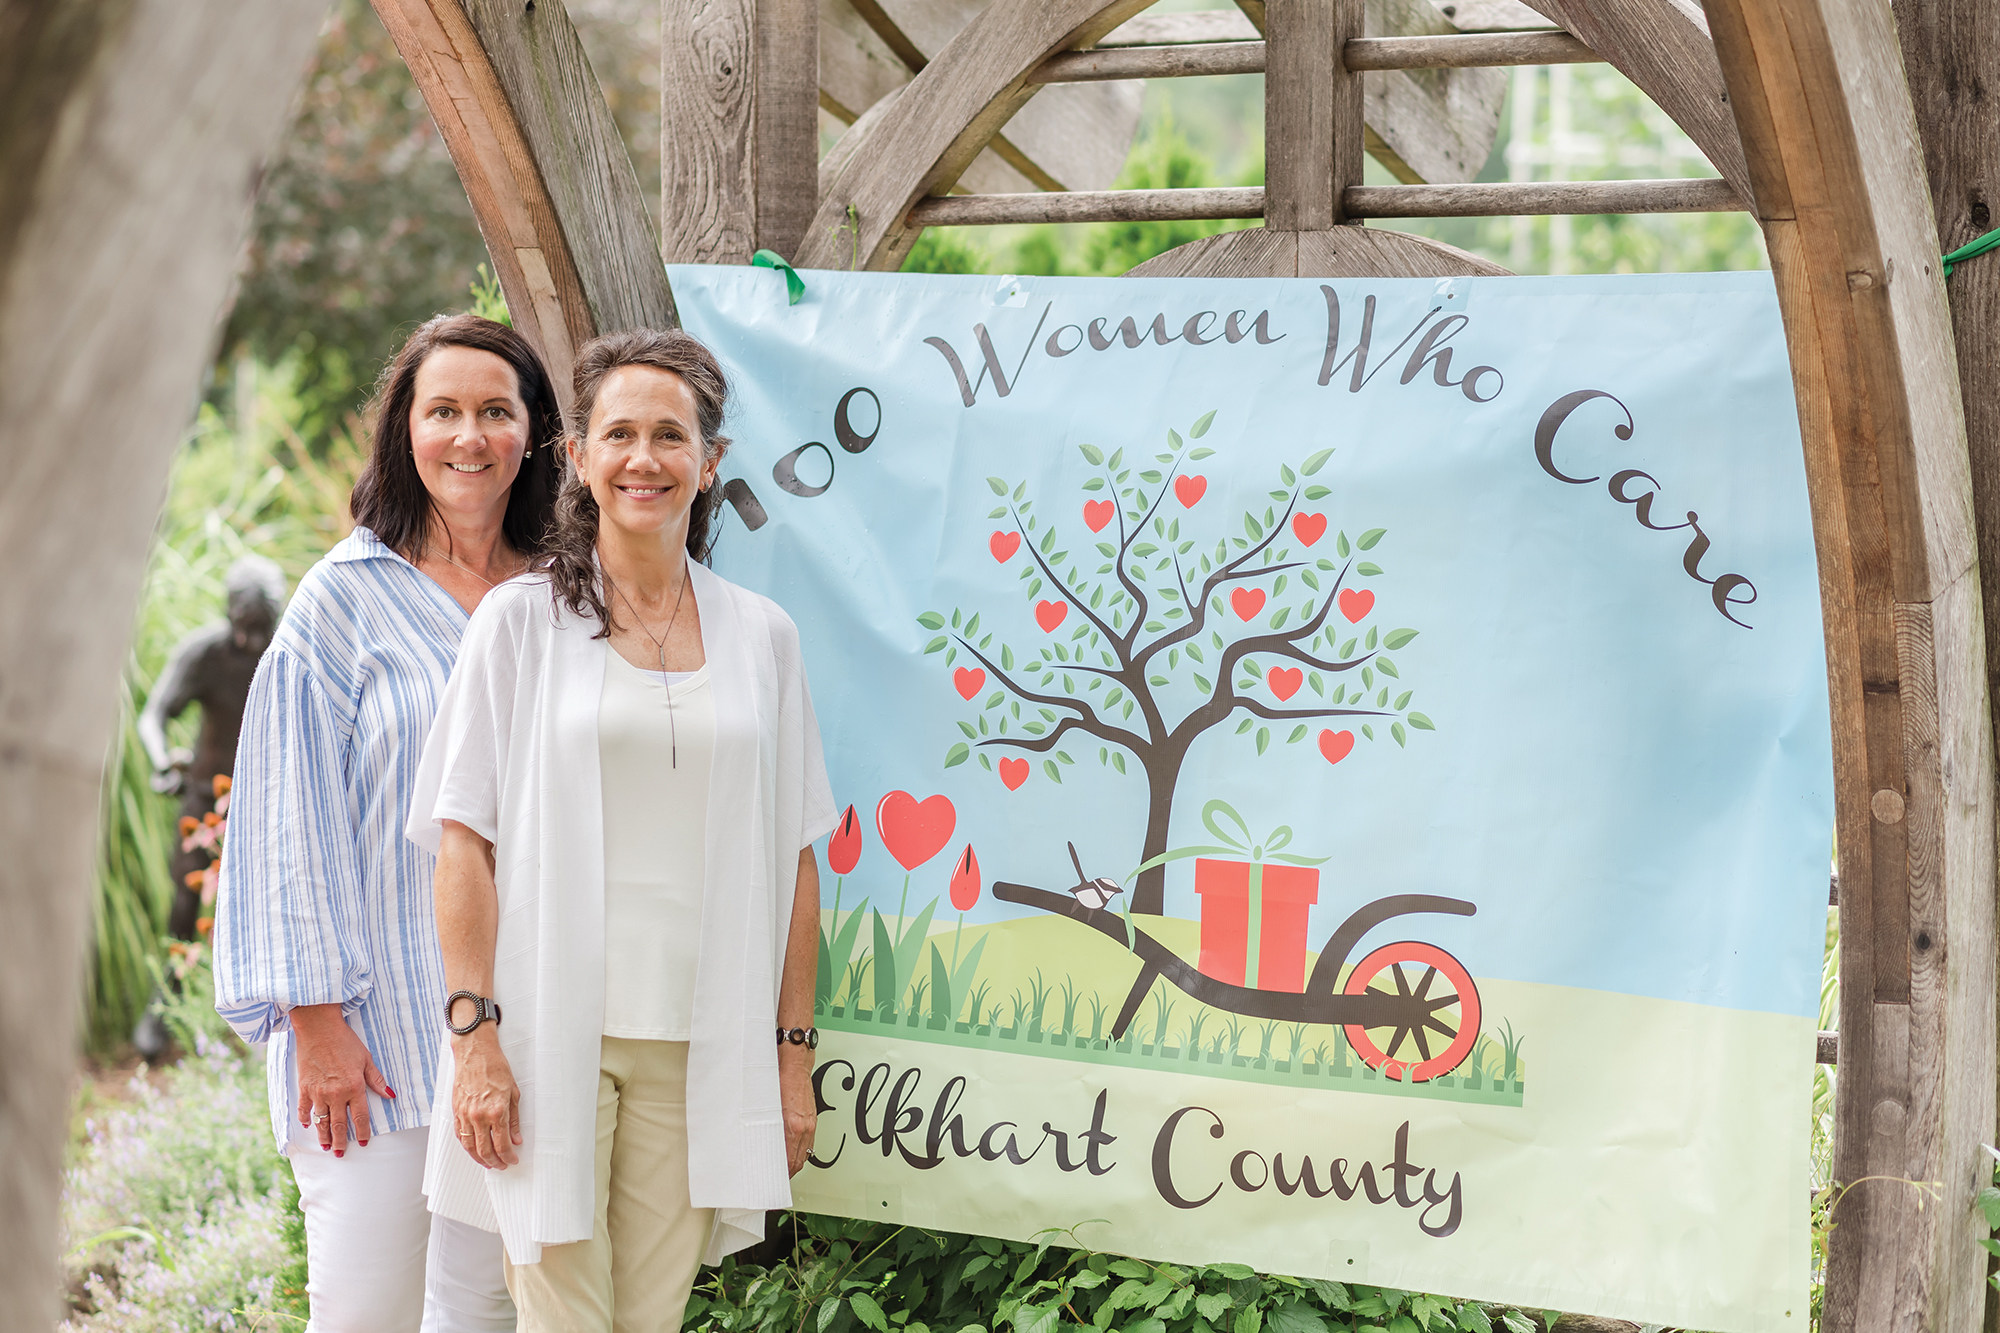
pixel 241 483
pixel 361 228
pixel 945 250
pixel 844 1276
pixel 488 300
pixel 178 1214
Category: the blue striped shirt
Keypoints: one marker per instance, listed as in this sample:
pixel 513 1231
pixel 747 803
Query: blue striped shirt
pixel 321 899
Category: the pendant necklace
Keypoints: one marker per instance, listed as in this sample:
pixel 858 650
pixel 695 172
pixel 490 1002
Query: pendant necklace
pixel 673 729
pixel 449 558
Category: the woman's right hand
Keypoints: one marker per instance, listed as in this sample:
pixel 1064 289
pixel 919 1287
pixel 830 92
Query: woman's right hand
pixel 485 1104
pixel 335 1075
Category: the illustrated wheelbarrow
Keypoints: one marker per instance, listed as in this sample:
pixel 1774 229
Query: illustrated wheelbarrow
pixel 1409 1008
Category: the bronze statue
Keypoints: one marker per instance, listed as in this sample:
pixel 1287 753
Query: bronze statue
pixel 211 667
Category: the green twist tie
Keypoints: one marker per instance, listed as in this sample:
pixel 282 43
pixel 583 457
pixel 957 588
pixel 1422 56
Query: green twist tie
pixel 794 284
pixel 1972 249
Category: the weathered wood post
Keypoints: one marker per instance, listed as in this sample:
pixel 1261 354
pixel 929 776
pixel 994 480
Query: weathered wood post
pixel 739 127
pixel 1951 54
pixel 551 184
pixel 131 140
pixel 1830 138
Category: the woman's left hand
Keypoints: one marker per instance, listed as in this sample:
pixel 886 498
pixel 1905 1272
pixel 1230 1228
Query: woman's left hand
pixel 795 1092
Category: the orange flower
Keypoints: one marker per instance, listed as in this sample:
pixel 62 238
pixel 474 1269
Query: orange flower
pixel 221 784
pixel 189 824
pixel 203 926
pixel 211 819
pixel 193 878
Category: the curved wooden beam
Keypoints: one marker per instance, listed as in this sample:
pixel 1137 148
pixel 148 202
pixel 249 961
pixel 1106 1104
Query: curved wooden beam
pixel 1343 252
pixel 132 137
pixel 1663 46
pixel 1831 143
pixel 940 122
pixel 550 181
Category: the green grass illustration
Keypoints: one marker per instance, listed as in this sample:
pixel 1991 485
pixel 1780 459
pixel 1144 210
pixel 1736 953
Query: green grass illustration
pixel 954 999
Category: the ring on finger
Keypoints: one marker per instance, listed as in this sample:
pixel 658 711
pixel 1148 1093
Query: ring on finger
pixel 319 1117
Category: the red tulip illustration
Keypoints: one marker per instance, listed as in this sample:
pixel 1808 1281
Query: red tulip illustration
pixel 965 881
pixel 843 849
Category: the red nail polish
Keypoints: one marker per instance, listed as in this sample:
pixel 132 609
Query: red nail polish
pixel 362 1143
pixel 392 1093
pixel 326 1147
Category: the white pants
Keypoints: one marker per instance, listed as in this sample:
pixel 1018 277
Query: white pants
pixel 376 1260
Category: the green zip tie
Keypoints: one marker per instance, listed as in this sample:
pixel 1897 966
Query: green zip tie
pixel 1991 240
pixel 794 284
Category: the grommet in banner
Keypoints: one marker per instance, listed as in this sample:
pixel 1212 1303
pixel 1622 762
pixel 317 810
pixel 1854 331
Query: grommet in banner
pixel 1888 806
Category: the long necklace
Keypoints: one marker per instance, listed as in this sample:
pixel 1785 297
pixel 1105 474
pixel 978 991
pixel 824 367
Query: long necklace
pixel 449 558
pixel 673 728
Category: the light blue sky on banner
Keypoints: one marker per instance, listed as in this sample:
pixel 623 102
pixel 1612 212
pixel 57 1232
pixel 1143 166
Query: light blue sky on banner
pixel 1634 791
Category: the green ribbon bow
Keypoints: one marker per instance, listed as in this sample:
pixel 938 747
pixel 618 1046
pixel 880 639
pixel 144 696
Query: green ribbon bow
pixel 1240 843
pixel 794 284
pixel 1971 249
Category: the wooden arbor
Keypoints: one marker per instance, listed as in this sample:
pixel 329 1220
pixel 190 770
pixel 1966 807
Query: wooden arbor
pixel 1802 107
pixel 131 133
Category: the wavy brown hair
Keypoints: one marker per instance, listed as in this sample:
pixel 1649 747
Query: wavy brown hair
pixel 570 555
pixel 390 498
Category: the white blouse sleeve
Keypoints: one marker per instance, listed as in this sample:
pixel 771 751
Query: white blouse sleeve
pixel 802 781
pixel 460 774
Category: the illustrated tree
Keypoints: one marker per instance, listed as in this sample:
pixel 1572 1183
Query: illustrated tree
pixel 1173 636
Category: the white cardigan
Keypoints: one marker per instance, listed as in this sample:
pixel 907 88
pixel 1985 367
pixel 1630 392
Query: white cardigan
pixel 513 756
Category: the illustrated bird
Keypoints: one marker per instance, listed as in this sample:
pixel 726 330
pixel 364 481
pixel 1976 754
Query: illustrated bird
pixel 1092 893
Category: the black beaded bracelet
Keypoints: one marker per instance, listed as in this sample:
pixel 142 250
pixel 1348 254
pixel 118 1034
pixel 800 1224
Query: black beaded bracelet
pixel 806 1037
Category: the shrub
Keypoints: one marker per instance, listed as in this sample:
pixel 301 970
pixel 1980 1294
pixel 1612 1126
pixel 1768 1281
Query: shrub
pixel 843 1276
pixel 175 1211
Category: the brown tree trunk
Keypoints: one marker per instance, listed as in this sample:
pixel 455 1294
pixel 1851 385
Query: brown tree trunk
pixel 131 137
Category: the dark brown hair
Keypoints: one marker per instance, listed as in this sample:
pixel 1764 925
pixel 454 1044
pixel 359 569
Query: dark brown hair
pixel 390 498
pixel 571 550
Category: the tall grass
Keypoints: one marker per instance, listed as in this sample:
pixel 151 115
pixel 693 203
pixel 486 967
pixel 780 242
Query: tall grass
pixel 243 481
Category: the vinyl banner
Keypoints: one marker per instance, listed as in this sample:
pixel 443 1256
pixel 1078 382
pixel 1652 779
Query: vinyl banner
pixel 1338 771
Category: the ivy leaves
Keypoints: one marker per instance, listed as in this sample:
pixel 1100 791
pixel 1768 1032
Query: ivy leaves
pixel 848 1276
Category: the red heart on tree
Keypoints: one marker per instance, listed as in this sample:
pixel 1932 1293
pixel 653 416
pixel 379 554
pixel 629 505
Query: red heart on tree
pixel 1354 605
pixel 1050 614
pixel 1247 601
pixel 1189 490
pixel 1335 745
pixel 1003 545
pixel 968 682
pixel 1309 528
pixel 914 831
pixel 1013 772
pixel 1096 513
pixel 1283 683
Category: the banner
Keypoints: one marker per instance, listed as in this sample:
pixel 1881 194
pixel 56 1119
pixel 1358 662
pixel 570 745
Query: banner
pixel 1339 770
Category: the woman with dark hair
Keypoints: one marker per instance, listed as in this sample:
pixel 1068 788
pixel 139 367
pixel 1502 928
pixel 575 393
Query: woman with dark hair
pixel 623 786
pixel 325 941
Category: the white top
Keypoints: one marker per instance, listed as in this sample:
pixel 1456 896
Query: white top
pixel 655 736
pixel 513 756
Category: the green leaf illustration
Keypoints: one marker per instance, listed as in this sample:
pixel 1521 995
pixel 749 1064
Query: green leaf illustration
pixel 1370 537
pixel 1420 722
pixel 1200 427
pixel 1318 492
pixel 1396 638
pixel 1316 462
pixel 935 645
pixel 1093 454
pixel 999 486
pixel 1396 730
pixel 957 755
pixel 931 620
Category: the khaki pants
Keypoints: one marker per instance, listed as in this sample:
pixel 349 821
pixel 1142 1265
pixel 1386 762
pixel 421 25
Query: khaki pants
pixel 634 1274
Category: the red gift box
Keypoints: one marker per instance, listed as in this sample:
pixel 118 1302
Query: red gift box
pixel 1285 898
